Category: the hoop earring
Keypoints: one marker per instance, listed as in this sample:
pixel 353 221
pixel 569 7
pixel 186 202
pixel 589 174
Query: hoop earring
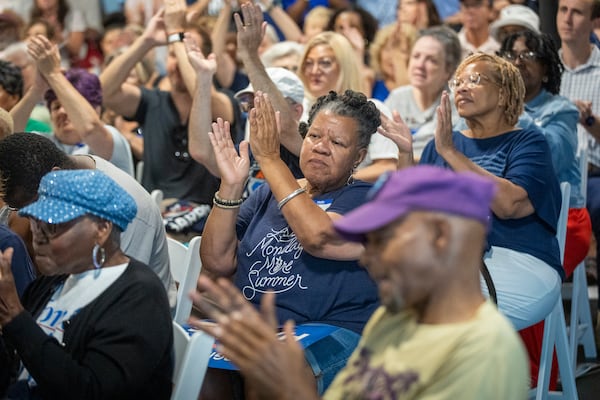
pixel 98 264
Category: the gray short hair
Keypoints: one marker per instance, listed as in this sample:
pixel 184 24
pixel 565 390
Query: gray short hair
pixel 450 43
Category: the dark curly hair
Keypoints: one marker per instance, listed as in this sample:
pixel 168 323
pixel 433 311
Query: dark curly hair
pixel 368 22
pixel 11 78
pixel 24 159
pixel 350 104
pixel 546 54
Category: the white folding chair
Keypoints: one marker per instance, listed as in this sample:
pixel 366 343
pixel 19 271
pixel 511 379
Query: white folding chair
pixel 177 258
pixel 139 171
pixel 555 331
pixel 187 282
pixel 157 196
pixel 191 360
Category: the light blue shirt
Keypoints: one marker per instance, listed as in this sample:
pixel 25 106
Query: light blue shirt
pixel 557 118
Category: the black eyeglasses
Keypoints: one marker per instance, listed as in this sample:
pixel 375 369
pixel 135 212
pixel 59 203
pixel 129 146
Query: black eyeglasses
pixel 512 56
pixel 179 136
pixel 51 231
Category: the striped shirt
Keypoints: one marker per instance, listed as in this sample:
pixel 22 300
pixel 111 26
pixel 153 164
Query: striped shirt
pixel 583 83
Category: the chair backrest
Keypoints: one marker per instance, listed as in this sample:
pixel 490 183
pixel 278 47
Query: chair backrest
pixel 139 171
pixel 177 259
pixel 158 196
pixel 191 360
pixel 561 227
pixel 188 282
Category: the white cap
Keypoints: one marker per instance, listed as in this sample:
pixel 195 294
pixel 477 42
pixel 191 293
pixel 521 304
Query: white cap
pixel 516 14
pixel 286 81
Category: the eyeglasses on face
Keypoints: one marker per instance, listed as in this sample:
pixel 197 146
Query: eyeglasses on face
pixel 513 56
pixel 324 64
pixel 471 81
pixel 51 231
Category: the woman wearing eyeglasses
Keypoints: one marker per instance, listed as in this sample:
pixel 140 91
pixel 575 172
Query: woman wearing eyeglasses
pixel 537 60
pixel 96 324
pixel 523 258
pixel 328 63
pixel 523 255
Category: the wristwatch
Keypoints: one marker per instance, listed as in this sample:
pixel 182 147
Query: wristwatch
pixel 175 37
pixel 591 120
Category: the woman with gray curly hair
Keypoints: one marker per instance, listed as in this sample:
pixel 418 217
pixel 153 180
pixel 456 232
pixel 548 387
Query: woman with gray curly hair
pixel 280 239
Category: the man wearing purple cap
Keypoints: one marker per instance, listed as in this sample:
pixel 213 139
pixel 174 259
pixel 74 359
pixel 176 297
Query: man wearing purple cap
pixel 434 335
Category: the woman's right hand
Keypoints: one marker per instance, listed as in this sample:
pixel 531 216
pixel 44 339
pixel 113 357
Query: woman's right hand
pixel 233 167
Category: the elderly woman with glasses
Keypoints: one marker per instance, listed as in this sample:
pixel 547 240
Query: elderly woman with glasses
pixel 523 254
pixel 538 62
pixel 96 324
pixel 537 59
pixel 277 240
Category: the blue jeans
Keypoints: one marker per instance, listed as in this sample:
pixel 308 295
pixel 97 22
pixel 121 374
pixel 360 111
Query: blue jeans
pixel 329 355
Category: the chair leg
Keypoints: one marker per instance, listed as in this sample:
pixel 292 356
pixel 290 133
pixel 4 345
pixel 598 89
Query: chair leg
pixel 585 328
pixel 567 376
pixel 555 336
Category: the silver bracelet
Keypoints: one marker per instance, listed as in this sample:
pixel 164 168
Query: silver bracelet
pixel 290 196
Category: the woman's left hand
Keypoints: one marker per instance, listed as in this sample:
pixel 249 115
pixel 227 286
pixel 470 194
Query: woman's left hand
pixel 10 306
pixel 233 167
pixel 264 128
pixel 443 130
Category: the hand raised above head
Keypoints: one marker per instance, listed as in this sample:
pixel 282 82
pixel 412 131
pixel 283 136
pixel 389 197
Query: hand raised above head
pixel 45 54
pixel 155 30
pixel 201 64
pixel 10 305
pixel 251 31
pixel 233 167
pixel 174 17
pixel 264 128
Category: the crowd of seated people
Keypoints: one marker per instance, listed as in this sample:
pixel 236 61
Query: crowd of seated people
pixel 261 123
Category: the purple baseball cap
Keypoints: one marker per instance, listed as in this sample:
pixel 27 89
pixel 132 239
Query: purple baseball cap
pixel 419 188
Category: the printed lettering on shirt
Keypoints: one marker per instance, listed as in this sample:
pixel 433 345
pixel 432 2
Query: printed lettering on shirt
pixel 370 382
pixel 275 270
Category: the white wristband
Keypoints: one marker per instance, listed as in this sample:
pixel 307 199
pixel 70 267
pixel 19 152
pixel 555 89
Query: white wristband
pixel 175 37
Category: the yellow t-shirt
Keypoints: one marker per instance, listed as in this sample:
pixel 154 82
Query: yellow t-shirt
pixel 397 358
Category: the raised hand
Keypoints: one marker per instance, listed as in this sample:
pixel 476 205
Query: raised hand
pixel 443 130
pixel 264 128
pixel 251 31
pixel 397 131
pixel 233 167
pixel 155 30
pixel 174 16
pixel 248 338
pixel 201 64
pixel 10 306
pixel 45 54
